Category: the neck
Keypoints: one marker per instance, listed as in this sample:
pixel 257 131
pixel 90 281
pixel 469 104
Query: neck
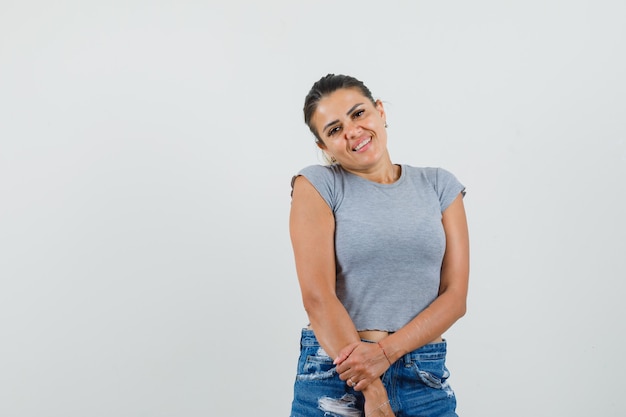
pixel 383 173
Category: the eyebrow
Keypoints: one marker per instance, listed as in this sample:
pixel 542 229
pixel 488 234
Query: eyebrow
pixel 337 121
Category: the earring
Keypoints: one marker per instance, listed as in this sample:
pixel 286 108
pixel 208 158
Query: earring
pixel 332 159
pixel 386 125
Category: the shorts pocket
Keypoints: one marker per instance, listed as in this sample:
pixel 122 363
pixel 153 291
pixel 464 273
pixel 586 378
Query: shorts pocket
pixel 315 364
pixel 431 369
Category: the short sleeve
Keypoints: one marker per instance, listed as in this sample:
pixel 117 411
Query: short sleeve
pixel 448 188
pixel 323 180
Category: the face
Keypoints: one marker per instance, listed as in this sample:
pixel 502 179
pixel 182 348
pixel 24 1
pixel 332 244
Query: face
pixel 352 129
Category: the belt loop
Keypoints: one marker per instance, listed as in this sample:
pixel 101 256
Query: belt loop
pixel 407 359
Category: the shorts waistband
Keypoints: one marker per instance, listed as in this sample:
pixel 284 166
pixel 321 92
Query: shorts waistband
pixel 308 339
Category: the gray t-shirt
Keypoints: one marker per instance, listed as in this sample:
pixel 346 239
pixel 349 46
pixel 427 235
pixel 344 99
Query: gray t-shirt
pixel 389 240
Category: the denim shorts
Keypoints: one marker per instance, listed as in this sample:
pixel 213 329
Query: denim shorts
pixel 416 384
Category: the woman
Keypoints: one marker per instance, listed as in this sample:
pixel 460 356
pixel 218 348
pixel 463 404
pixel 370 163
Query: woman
pixel 382 257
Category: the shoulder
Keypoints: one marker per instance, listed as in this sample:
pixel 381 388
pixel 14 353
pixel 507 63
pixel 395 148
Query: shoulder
pixel 320 170
pixel 434 175
pixel 443 182
pixel 322 175
pixel 324 179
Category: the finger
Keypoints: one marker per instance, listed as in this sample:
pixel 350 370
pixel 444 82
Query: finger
pixel 345 353
pixel 343 368
pixel 361 384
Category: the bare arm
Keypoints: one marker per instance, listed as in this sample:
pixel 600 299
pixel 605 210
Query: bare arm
pixel 451 303
pixel 362 361
pixel 312 229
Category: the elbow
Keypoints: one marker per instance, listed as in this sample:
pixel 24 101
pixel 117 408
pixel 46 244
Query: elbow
pixel 460 304
pixel 456 304
pixel 309 306
pixel 462 309
pixel 314 304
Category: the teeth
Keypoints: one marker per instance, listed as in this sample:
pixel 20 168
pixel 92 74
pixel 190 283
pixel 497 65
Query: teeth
pixel 362 144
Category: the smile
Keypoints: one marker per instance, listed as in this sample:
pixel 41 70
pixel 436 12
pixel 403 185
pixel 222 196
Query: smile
pixel 361 144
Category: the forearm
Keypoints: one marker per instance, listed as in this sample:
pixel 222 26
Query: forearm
pixel 431 323
pixel 335 330
pixel 331 324
pixel 377 400
pixel 375 393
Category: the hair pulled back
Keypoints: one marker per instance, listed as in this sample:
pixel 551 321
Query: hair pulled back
pixel 325 86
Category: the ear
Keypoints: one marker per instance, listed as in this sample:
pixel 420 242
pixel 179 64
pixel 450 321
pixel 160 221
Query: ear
pixel 381 109
pixel 320 144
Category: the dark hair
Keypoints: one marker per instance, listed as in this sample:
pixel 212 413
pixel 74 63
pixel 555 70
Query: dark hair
pixel 325 86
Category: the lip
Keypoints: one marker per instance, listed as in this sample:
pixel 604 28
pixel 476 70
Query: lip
pixel 366 138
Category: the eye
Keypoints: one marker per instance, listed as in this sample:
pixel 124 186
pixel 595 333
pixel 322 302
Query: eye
pixel 333 131
pixel 358 113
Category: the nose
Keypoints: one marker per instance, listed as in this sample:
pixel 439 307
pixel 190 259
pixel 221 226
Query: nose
pixel 351 129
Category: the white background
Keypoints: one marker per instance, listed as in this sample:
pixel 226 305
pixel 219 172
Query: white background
pixel 146 151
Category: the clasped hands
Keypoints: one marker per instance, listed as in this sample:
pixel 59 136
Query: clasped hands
pixel 360 363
